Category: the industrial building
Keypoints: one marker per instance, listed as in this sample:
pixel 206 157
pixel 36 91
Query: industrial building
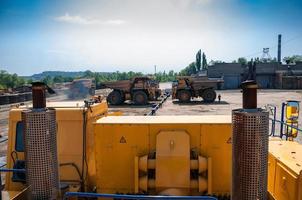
pixel 272 75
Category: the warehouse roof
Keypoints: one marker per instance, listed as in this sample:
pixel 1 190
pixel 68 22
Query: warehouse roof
pixel 222 69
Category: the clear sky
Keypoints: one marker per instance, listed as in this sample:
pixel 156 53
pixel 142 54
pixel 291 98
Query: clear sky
pixel 111 35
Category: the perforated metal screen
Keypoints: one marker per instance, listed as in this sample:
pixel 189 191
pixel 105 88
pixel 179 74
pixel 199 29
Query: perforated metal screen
pixel 41 153
pixel 250 154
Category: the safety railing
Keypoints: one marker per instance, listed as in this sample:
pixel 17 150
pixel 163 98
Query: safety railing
pixel 131 197
pixel 282 123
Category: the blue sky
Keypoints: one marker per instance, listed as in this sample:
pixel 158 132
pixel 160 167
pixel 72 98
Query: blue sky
pixel 111 35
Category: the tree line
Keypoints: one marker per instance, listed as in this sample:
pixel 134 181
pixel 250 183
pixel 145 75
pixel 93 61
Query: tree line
pixel 13 80
pixel 10 80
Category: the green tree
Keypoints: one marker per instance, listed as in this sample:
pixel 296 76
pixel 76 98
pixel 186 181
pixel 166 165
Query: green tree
pixel 58 79
pixel 189 70
pixel 10 80
pixel 198 60
pixel 48 80
pixel 293 59
pixel 242 60
pixel 204 62
pixel 213 62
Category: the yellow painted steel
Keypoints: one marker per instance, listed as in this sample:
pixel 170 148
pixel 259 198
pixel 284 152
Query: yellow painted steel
pixel 119 147
pixel 119 140
pixel 14 195
pixel 292 115
pixel 69 117
pixel 172 161
pixel 285 169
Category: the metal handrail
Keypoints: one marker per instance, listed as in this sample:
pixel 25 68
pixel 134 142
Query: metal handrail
pixel 12 170
pixel 131 197
pixel 4 140
pixel 288 125
pixel 3 165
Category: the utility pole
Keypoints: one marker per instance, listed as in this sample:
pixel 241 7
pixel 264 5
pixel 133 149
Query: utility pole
pixel 154 69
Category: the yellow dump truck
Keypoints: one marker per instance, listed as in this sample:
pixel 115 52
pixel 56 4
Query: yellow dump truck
pixel 81 88
pixel 187 87
pixel 140 90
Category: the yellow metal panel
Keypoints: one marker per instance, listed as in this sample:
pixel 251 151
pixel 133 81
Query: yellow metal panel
pixel 271 173
pixel 286 185
pixel 198 119
pixel 13 195
pixel 116 147
pixel 14 117
pixel 300 186
pixel 69 138
pixel 172 160
pixel 289 153
pixel 216 143
pixel 192 129
pixel 205 139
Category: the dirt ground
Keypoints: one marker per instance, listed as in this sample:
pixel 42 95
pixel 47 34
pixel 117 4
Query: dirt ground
pixel 230 99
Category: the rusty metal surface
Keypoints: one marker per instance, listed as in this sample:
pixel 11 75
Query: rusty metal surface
pixel 124 85
pixel 250 154
pixel 39 95
pixel 41 153
pixel 249 94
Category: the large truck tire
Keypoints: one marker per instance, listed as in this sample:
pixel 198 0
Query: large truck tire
pixel 209 95
pixel 140 98
pixel 184 96
pixel 115 98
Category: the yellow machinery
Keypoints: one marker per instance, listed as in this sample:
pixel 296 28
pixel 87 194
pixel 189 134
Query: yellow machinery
pixel 285 170
pixel 291 116
pixel 171 155
pixel 70 123
pixel 183 156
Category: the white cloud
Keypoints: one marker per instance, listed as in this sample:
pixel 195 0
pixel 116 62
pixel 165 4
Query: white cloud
pixel 114 22
pixel 77 19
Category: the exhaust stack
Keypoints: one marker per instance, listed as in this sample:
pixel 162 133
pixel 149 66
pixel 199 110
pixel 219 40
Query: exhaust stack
pixel 250 147
pixel 41 147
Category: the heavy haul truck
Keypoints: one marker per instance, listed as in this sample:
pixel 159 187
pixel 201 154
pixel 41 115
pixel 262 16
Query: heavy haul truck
pixel 140 90
pixel 81 88
pixel 77 150
pixel 187 87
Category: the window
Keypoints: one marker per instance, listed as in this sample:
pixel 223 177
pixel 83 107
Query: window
pixel 19 145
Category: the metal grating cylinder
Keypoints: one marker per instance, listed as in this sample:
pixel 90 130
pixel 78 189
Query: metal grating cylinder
pixel 41 153
pixel 250 154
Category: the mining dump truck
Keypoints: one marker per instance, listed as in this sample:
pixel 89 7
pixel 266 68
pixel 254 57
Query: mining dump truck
pixel 139 89
pixel 186 87
pixel 81 88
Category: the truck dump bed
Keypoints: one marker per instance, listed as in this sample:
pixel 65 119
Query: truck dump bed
pixel 200 83
pixel 123 85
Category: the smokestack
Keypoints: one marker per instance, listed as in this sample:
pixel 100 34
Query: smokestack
pixel 40 144
pixel 279 48
pixel 39 94
pixel 249 94
pixel 249 147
